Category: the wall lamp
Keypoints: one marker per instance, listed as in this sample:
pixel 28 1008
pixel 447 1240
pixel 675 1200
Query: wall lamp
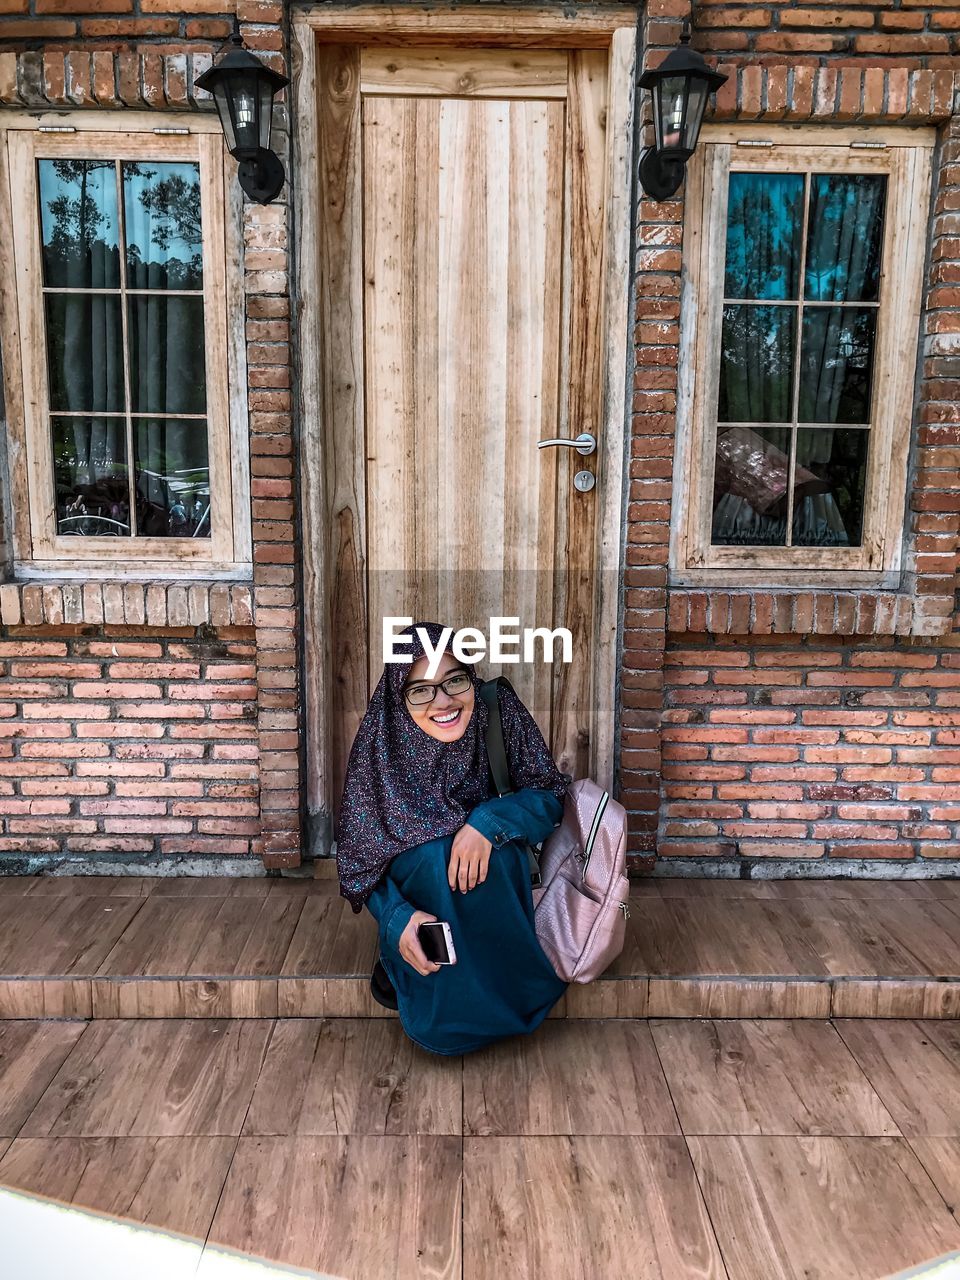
pixel 679 87
pixel 243 89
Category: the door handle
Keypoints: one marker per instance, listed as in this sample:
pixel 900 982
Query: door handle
pixel 585 443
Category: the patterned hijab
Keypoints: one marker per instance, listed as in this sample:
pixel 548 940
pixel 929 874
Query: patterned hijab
pixel 403 787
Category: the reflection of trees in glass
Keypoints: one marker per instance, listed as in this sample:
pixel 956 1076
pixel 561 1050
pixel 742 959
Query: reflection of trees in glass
pixel 764 220
pixel 77 253
pixel 844 237
pixel 169 205
pixel 756 364
pixel 82 234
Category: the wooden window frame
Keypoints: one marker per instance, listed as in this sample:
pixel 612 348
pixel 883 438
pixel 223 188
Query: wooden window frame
pixel 905 156
pixel 38 550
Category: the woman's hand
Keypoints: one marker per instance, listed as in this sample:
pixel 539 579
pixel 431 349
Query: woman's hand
pixel 469 859
pixel 410 947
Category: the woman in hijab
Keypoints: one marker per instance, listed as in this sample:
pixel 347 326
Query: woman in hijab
pixel 423 837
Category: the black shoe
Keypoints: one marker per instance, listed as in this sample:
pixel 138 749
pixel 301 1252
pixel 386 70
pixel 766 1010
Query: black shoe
pixel 381 988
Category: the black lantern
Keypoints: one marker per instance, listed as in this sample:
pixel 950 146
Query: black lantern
pixel 679 88
pixel 243 90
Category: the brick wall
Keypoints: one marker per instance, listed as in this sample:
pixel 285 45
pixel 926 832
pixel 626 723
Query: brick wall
pixel 146 54
pixel 801 747
pixel 135 744
pixel 911 33
pixel 182 26
pixel 705 704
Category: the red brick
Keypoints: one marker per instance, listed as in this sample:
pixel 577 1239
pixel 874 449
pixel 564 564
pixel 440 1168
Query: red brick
pixel 38 29
pixel 825 17
pixel 100 28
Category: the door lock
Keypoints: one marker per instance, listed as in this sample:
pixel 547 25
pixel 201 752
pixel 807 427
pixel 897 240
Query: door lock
pixel 584 481
pixel 585 443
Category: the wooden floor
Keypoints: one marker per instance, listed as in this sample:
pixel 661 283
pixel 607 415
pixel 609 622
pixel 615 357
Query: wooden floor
pixel 102 947
pixel 617 1149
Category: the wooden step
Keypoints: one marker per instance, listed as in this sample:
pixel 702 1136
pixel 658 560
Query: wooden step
pixel 102 947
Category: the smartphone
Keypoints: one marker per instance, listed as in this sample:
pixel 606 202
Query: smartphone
pixel 437 942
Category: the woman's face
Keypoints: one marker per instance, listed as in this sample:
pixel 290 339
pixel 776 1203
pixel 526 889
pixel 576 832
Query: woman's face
pixel 447 716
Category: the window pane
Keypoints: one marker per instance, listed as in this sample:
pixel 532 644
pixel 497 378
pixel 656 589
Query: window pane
pixel 90 473
pixel 830 483
pixel 750 487
pixel 161 208
pixel 85 352
pixel 764 228
pixel 845 233
pixel 166 354
pixel 79 226
pixel 836 363
pixel 173 479
pixel 756 364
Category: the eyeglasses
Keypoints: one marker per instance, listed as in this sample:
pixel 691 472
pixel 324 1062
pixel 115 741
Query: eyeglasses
pixel 420 694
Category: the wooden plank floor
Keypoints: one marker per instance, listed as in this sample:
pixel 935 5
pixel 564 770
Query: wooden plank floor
pixel 264 947
pixel 623 1149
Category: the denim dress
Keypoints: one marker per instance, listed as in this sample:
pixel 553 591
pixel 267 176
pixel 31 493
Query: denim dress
pixel 502 984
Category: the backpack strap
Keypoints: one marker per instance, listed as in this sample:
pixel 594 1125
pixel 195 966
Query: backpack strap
pixel 496 751
pixel 497 755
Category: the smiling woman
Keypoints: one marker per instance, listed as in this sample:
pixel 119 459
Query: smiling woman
pixel 423 838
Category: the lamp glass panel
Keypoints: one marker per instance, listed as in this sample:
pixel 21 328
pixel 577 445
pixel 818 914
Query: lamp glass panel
pixel 241 88
pixel 266 112
pixel 221 98
pixel 696 105
pixel 671 108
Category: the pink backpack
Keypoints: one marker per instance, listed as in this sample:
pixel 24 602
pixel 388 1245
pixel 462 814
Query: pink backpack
pixel 580 902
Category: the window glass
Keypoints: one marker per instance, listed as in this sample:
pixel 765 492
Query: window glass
pixel 757 352
pixel 85 352
pixel 764 235
pixel 173 478
pixel 166 354
pixel 161 209
pixel 90 472
pixel 79 224
pixel 797 349
pixel 836 359
pixel 751 478
pixel 829 487
pixel 844 236
pixel 123 303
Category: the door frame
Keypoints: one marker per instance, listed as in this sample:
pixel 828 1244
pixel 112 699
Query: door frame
pixel 615 29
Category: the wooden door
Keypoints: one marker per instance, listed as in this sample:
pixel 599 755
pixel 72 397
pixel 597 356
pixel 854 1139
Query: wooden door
pixel 462 260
